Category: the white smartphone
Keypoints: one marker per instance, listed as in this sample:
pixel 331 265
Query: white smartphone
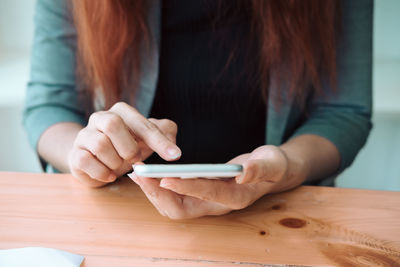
pixel 210 171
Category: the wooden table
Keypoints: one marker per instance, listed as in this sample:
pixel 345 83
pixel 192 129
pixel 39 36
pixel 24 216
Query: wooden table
pixel 117 226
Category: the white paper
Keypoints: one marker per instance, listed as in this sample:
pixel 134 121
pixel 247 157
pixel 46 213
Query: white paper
pixel 37 256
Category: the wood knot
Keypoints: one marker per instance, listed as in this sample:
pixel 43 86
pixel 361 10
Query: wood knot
pixel 293 222
pixel 276 207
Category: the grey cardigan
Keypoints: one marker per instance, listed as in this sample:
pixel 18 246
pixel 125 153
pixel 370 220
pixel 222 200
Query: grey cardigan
pixel 342 117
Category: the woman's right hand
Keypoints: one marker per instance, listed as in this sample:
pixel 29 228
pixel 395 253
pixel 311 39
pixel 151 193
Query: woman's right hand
pixel 115 139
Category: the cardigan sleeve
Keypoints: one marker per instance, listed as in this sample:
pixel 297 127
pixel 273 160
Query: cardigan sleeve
pixel 51 95
pixel 343 116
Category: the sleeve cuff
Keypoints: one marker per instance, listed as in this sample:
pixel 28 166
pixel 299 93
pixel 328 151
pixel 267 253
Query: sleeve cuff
pixel 348 135
pixel 38 120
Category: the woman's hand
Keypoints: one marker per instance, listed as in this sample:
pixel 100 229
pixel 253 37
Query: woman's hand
pixel 115 139
pixel 264 171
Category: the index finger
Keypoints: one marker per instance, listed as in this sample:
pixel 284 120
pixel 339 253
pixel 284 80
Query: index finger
pixel 147 131
pixel 174 206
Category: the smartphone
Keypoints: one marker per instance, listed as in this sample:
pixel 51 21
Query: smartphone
pixel 210 171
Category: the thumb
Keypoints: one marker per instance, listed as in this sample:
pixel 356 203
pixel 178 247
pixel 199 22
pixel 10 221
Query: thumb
pixel 267 166
pixel 254 171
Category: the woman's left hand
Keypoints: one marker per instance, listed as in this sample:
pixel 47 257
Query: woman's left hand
pixel 265 170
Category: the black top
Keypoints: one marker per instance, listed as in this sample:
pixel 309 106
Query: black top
pixel 207 81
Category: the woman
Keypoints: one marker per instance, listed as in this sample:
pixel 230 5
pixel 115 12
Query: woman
pixel 281 87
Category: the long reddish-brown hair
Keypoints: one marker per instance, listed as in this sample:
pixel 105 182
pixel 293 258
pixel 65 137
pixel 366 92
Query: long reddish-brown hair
pixel 297 41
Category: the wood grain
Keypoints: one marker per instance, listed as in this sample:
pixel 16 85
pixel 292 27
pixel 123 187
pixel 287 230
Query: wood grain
pixel 117 226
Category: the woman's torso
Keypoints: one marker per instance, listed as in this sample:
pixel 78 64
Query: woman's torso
pixel 207 81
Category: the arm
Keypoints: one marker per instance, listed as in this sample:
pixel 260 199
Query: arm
pixel 343 115
pixel 55 117
pixel 338 121
pixel 306 163
pixel 52 112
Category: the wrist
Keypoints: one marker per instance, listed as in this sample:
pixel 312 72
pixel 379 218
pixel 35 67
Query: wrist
pixel 295 173
pixel 63 134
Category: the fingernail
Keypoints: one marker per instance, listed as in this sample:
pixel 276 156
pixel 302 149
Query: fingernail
pixel 240 179
pixel 174 152
pixel 111 177
pixel 164 184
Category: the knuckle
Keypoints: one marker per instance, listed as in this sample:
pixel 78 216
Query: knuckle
pixel 159 143
pixel 111 123
pixel 151 127
pixel 276 154
pixel 168 125
pixel 82 159
pixel 118 105
pixel 94 117
pixel 131 153
pixel 116 164
pixel 100 144
pixel 154 135
pixel 172 126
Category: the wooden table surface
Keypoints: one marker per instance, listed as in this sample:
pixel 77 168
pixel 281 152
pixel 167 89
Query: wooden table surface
pixel 117 226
